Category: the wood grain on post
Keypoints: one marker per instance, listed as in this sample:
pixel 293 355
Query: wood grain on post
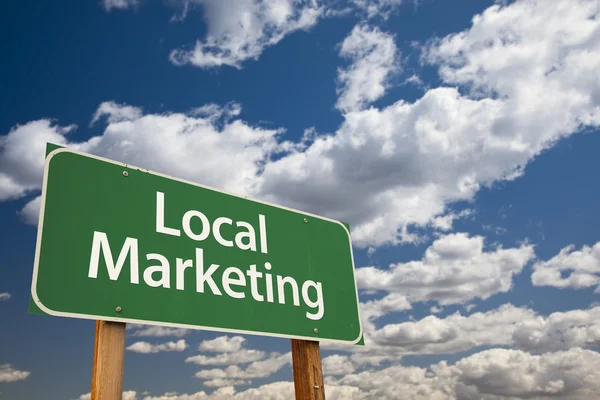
pixel 308 374
pixel 109 355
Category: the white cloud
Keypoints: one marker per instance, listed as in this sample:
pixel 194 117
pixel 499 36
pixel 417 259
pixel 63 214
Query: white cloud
pixel 241 356
pixel 5 296
pixel 22 154
pixel 9 374
pixel 147 348
pixel 117 113
pixel 571 374
pixel 239 30
pixel 128 395
pixel 570 268
pixel 491 374
pixel 560 330
pixel 381 8
pixel 454 269
pixel 374 309
pixel 120 4
pixel 222 344
pixel 338 365
pixel 532 70
pixel 508 325
pixel 445 222
pixel 270 391
pixel 149 141
pixel 435 310
pixel 30 214
pixel 385 170
pixel 258 369
pixel 160 331
pixel 373 57
pixel 225 382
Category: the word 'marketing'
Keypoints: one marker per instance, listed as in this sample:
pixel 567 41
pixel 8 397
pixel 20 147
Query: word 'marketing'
pixel 234 281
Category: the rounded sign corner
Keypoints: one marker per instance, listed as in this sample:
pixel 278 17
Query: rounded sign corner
pixel 40 305
pixel 360 335
pixel 57 151
pixel 345 229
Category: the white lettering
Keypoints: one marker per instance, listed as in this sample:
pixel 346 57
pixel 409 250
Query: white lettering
pixel 281 281
pixel 312 304
pixel 254 275
pixel 217 231
pixel 227 281
pixel 164 269
pixel 250 234
pixel 100 244
pixel 269 281
pixel 186 222
pixel 262 228
pixel 181 266
pixel 202 278
pixel 160 217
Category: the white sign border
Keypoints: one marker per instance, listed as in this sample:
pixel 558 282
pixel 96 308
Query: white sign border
pixel 45 309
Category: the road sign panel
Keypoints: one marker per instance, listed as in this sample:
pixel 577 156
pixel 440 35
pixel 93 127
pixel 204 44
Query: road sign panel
pixel 120 243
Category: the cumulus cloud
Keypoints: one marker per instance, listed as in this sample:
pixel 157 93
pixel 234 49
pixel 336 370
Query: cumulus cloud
pixel 241 356
pixel 560 330
pixel 270 391
pixel 117 112
pixel 159 331
pixel 223 344
pixel 257 369
pixel 511 326
pixel 378 8
pixel 30 214
pixel 147 348
pixel 523 76
pixel 22 153
pixel 9 374
pixel 573 269
pixel 128 395
pixel 490 374
pixel 528 68
pixel 239 30
pixel 373 55
pixel 225 382
pixel 5 296
pixel 119 4
pixel 337 365
pixel 149 141
pixel 455 269
pixel 569 374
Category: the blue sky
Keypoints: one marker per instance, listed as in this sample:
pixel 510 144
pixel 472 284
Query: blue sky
pixel 458 138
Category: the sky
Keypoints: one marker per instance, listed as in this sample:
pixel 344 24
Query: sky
pixel 457 138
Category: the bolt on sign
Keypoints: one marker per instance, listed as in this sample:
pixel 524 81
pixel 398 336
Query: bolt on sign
pixel 120 243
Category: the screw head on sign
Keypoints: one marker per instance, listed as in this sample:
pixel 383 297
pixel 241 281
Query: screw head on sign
pixel 316 330
pixel 118 309
pixel 316 386
pixel 125 173
pixel 305 220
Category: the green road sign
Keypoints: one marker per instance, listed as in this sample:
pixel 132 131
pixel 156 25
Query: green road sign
pixel 120 243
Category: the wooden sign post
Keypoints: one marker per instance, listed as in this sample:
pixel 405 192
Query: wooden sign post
pixel 308 374
pixel 109 355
